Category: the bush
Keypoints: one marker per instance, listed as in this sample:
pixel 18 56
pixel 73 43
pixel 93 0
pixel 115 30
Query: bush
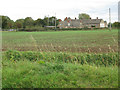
pixel 32 29
pixel 58 67
pixel 97 59
pixel 13 55
pixel 30 56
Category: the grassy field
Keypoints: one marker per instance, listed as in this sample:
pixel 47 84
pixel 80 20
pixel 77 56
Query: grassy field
pixel 65 41
pixel 37 74
pixel 62 59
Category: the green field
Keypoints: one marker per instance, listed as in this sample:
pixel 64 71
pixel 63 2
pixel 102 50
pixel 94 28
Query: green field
pixel 65 41
pixel 27 74
pixel 61 59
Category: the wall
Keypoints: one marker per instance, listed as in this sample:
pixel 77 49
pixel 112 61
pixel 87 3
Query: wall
pixel 102 24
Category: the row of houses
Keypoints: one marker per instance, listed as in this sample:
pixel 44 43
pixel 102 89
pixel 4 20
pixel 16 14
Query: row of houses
pixel 82 23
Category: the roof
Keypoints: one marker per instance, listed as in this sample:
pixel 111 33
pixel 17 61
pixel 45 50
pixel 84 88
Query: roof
pixel 91 21
pixel 87 21
pixel 79 22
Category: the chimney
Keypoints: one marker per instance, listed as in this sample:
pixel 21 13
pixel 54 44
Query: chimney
pixel 65 19
pixel 60 20
pixel 97 18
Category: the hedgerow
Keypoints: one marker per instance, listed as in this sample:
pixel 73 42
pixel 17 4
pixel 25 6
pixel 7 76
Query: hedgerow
pixel 104 59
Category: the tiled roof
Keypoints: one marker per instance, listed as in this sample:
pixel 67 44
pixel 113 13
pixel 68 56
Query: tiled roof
pixel 80 22
pixel 88 21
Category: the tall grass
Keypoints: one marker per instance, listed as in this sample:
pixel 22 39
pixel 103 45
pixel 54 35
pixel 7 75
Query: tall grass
pixel 83 58
pixel 38 74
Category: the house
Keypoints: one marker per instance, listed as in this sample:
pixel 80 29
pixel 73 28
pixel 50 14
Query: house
pixel 82 23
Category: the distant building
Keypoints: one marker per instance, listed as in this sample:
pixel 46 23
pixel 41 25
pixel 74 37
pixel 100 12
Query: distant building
pixel 82 23
pixel 119 11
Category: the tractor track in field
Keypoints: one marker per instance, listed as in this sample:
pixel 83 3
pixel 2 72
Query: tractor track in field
pixel 66 49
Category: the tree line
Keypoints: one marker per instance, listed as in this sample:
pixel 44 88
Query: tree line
pixel 114 25
pixel 28 22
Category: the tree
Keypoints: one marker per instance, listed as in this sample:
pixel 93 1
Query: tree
pixel 84 16
pixel 45 21
pixel 0 22
pixel 7 23
pixel 57 21
pixel 52 21
pixel 11 24
pixel 28 22
pixel 116 25
pixel 19 23
pixel 109 25
pixel 39 22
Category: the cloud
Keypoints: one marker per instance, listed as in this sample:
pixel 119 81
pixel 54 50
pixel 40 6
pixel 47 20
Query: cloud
pixel 16 9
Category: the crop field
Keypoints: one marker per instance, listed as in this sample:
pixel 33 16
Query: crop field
pixel 66 41
pixel 60 59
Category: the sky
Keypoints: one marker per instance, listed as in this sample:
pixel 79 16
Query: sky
pixel 17 9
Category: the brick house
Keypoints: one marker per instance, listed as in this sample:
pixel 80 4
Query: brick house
pixel 77 23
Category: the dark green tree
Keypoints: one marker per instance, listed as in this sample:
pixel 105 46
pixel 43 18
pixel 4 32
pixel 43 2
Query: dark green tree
pixel 116 25
pixel 19 23
pixel 109 25
pixel 52 21
pixel 7 23
pixel 39 22
pixel 28 22
pixel 45 21
pixel 84 16
pixel 0 22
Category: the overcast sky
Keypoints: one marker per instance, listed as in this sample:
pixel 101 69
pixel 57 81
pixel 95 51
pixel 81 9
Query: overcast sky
pixel 17 9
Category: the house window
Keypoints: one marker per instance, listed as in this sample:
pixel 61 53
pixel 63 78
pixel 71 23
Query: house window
pixel 93 26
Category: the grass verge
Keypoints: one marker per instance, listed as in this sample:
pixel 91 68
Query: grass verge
pixel 26 73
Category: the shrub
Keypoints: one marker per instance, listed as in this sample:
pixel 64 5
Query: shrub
pixel 13 55
pixel 58 67
pixel 30 56
pixel 97 59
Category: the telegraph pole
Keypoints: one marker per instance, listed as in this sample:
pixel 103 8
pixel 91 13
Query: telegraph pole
pixel 55 21
pixel 110 18
pixel 48 20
